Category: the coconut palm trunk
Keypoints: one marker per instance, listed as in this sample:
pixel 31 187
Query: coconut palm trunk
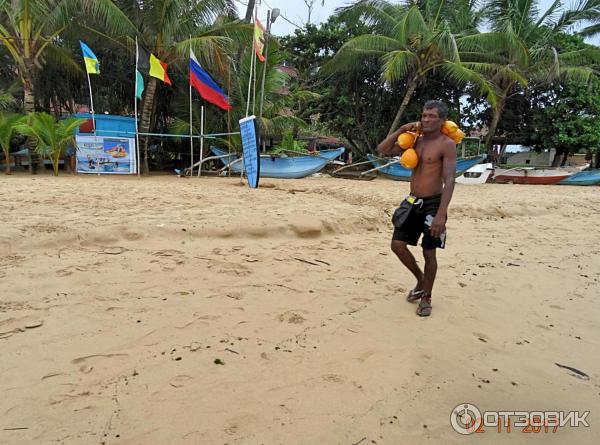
pixel 411 87
pixel 146 119
pixel 28 98
pixel 27 77
pixel 497 114
pixel 29 107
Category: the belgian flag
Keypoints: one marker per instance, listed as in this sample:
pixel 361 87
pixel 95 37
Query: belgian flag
pixel 149 64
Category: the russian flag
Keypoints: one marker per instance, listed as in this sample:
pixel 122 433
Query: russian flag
pixel 205 85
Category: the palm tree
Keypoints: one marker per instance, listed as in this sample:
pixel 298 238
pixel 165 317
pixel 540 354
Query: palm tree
pixel 168 28
pixel 537 60
pixel 30 31
pixel 7 95
pixel 52 137
pixel 411 42
pixel 8 122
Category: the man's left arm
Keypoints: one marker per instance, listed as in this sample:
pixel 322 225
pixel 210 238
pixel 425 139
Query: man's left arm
pixel 438 225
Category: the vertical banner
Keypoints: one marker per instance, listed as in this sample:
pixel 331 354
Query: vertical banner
pixel 106 155
pixel 250 150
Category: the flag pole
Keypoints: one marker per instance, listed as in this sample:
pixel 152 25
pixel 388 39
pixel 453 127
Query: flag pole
pixel 137 136
pixel 93 114
pixel 201 138
pixel 254 88
pixel 91 104
pixel 191 138
pixel 250 82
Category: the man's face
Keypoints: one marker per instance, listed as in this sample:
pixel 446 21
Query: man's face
pixel 431 121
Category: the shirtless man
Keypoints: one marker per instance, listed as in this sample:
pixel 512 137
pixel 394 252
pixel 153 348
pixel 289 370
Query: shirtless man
pixel 425 210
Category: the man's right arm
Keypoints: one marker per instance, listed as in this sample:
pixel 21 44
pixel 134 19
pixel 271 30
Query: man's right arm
pixel 389 147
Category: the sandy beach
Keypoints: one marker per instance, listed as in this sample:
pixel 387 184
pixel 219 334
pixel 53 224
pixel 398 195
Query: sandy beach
pixel 196 311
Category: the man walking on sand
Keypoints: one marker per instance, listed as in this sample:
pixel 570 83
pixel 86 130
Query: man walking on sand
pixel 425 210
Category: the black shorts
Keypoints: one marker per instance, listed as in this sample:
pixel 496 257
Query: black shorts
pixel 413 219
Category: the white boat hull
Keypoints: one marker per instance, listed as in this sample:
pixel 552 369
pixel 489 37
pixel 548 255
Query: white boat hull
pixel 478 174
pixel 530 175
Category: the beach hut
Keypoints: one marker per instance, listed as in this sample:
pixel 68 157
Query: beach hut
pixel 107 125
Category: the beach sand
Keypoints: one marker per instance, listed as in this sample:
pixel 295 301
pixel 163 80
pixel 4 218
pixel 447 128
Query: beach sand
pixel 197 311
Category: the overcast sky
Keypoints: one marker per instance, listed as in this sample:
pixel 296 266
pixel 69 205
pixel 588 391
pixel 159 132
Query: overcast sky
pixel 294 10
pixel 297 12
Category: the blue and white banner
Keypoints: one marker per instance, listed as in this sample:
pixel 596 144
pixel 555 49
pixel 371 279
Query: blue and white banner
pixel 106 155
pixel 250 150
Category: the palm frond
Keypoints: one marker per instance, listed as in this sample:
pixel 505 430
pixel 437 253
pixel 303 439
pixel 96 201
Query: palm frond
pixel 590 31
pixel 398 64
pixel 110 17
pixel 463 75
pixel 353 53
pixel 581 75
pixel 412 29
pixel 584 10
pixel 379 13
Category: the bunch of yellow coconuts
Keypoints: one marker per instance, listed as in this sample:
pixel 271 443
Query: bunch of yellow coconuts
pixel 407 141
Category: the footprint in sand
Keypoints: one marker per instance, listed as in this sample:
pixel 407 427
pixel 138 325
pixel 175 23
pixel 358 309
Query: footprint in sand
pixel 133 236
pixel 293 316
pixel 13 325
pixel 179 381
pixel 88 360
pixel 333 378
pixel 229 268
pixel 357 304
pixel 167 252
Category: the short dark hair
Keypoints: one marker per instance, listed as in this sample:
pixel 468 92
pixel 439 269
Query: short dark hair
pixel 440 106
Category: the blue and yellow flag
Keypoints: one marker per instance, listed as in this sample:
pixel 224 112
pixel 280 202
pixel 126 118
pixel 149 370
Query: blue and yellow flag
pixel 92 66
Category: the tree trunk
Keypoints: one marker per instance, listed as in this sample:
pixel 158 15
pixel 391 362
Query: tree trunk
pixel 29 107
pixel 597 164
pixel 7 159
pixel 146 119
pixel 489 139
pixel 564 159
pixel 28 76
pixel 556 159
pixel 55 159
pixel 412 86
pixel 250 10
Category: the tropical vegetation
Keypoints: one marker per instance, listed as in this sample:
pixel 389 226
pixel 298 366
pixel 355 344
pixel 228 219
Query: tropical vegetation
pixel 511 71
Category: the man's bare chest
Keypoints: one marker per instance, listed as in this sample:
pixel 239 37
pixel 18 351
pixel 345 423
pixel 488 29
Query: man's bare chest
pixel 428 152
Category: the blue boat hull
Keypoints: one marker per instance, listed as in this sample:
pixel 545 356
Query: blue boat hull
pixel 589 177
pixel 284 167
pixel 399 173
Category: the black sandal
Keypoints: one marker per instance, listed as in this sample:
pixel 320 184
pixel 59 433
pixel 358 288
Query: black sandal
pixel 424 309
pixel 414 295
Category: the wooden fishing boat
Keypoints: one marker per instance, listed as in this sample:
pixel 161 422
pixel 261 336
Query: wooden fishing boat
pixel 530 175
pixel 588 177
pixel 393 170
pixel 285 167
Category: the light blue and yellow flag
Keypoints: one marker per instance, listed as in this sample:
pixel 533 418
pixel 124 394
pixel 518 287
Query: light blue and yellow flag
pixel 92 66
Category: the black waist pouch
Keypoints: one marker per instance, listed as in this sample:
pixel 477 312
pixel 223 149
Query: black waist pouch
pixel 402 213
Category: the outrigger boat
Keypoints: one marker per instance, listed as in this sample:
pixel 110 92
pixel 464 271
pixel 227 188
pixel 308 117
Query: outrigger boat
pixel 478 174
pixel 530 175
pixel 587 177
pixel 288 167
pixel 392 169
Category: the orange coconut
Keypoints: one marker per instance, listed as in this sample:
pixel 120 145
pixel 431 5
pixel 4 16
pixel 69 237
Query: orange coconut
pixel 457 136
pixel 406 140
pixel 409 158
pixel 449 128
